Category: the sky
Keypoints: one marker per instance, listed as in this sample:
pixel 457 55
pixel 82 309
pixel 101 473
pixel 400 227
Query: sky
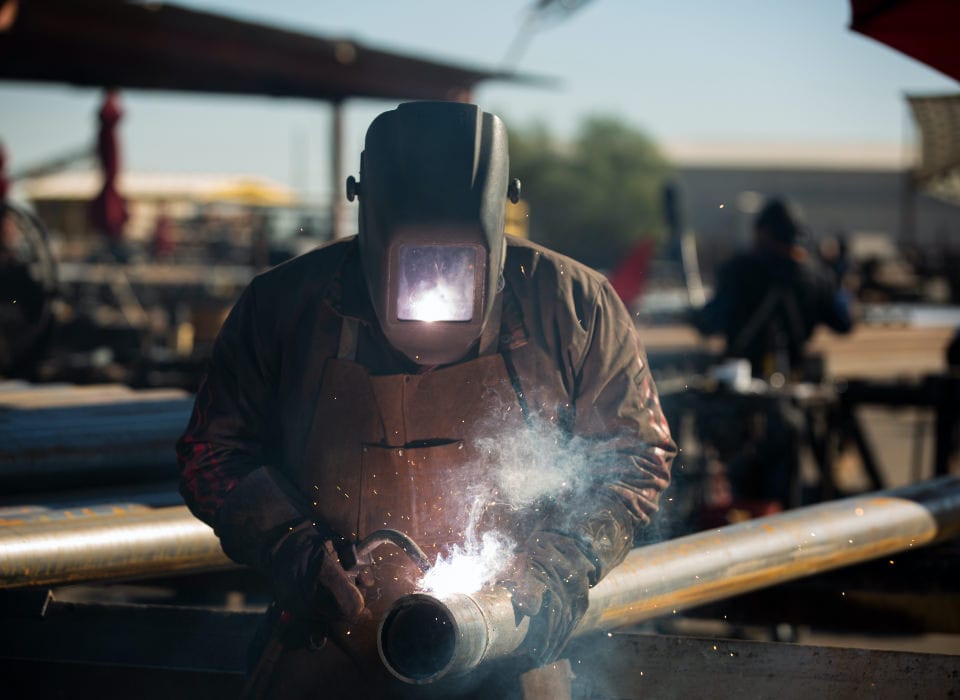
pixel 687 71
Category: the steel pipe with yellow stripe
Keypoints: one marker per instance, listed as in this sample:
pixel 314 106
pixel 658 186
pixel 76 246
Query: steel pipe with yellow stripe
pixel 102 543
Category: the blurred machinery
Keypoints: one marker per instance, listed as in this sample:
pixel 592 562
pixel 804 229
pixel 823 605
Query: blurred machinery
pixel 28 284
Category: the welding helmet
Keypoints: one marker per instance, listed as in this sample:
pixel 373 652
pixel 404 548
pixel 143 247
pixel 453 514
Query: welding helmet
pixel 433 188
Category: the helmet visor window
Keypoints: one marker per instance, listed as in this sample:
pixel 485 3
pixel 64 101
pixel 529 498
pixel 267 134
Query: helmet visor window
pixel 436 282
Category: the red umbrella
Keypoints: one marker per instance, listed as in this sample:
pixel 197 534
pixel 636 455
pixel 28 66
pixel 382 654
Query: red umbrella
pixel 927 30
pixel 108 211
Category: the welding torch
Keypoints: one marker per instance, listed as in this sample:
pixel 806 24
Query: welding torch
pixel 358 566
pixel 358 561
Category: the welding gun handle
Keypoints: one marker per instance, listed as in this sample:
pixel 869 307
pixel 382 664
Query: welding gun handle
pixel 340 585
pixel 363 550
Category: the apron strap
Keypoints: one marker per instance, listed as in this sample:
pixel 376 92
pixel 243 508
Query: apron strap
pixel 349 338
pixel 517 386
pixel 756 320
pixel 490 338
pixel 514 338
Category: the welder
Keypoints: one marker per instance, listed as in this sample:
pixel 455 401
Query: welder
pixel 351 389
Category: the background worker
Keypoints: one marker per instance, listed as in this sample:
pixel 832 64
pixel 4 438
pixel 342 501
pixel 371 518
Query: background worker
pixel 767 304
pixel 369 384
pixel 770 299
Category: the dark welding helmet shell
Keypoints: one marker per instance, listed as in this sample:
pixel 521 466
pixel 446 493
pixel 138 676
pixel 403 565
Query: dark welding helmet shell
pixel 433 174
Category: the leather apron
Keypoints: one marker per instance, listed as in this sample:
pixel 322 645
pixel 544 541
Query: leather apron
pixel 400 451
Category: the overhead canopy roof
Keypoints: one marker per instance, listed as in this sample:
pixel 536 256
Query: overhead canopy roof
pixel 115 43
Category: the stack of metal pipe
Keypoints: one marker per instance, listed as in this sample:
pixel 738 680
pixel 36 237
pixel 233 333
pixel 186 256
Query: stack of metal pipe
pixel 55 436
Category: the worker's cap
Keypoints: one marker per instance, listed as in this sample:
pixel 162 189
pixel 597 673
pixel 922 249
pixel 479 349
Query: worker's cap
pixel 780 221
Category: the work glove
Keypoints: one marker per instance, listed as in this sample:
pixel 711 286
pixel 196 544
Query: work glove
pixel 260 524
pixel 309 581
pixel 550 580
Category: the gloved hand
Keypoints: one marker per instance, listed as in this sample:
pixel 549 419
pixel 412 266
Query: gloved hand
pixel 550 581
pixel 308 579
pixel 261 525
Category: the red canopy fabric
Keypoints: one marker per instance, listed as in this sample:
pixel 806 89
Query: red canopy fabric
pixel 108 211
pixel 4 182
pixel 927 30
pixel 630 276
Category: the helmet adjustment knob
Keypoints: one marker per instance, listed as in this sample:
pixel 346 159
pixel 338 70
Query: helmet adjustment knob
pixel 353 188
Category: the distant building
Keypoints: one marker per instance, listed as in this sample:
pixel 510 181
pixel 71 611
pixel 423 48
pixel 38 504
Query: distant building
pixel 864 192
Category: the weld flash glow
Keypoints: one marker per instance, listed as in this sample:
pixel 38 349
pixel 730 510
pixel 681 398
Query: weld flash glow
pixel 436 283
pixel 468 569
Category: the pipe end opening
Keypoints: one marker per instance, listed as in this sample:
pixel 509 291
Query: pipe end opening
pixel 417 641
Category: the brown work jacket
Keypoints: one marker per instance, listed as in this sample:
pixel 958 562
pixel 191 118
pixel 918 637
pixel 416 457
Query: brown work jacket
pixel 281 390
pixel 256 404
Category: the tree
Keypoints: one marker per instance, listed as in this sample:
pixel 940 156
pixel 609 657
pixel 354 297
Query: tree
pixel 593 199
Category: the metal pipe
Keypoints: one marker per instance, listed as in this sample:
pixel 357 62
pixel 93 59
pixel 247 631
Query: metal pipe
pixel 424 637
pixel 20 515
pixel 122 543
pixel 43 447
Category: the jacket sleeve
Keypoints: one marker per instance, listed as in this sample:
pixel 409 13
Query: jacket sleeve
pixel 227 436
pixel 714 316
pixel 618 411
pixel 835 306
